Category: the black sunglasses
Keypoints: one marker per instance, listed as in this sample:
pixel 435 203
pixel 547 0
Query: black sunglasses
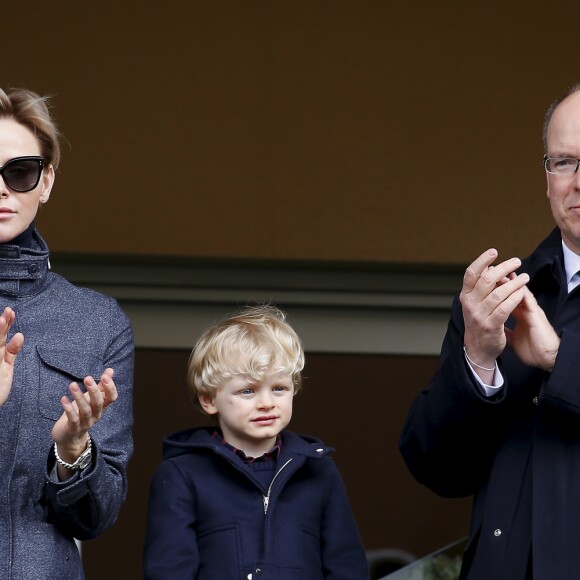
pixel 22 174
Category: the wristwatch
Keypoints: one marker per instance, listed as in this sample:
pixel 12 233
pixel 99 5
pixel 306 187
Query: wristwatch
pixel 83 460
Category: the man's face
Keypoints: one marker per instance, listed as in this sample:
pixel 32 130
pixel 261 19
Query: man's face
pixel 563 140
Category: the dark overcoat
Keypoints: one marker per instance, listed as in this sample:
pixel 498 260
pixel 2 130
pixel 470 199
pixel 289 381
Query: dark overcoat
pixel 517 453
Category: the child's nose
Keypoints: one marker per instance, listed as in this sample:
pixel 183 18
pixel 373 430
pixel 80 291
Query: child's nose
pixel 266 400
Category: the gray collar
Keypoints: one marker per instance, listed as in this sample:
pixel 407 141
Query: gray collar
pixel 23 271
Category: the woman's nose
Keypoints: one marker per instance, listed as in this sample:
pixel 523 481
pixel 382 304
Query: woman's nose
pixel 3 188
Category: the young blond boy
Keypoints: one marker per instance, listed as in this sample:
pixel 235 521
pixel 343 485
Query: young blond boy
pixel 249 500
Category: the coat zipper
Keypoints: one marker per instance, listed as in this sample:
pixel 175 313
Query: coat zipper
pixel 267 496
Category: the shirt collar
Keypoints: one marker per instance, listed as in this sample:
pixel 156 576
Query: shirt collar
pixel 571 262
pixel 271 455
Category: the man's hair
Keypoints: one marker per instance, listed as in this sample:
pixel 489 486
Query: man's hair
pixel 31 111
pixel 250 344
pixel 547 118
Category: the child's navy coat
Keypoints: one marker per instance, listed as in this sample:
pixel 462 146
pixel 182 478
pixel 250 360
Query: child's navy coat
pixel 209 518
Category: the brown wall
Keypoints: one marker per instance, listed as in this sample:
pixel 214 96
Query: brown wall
pixel 356 403
pixel 335 129
pixel 318 130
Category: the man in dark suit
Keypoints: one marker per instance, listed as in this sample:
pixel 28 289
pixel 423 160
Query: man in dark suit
pixel 503 424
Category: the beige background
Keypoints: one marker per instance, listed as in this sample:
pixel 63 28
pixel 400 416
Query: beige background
pixel 341 130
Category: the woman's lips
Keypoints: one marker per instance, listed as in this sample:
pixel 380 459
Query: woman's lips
pixel 6 212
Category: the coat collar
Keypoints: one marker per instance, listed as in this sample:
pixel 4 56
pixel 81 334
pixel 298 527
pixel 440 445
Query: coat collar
pixel 548 253
pixel 23 271
pixel 545 265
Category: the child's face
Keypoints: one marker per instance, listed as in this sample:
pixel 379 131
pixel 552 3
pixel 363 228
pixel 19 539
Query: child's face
pixel 250 413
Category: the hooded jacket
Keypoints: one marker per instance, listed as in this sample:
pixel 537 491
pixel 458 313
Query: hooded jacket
pixel 518 452
pixel 69 333
pixel 209 518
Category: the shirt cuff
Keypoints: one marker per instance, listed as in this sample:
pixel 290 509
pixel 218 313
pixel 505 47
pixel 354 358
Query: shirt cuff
pixel 497 382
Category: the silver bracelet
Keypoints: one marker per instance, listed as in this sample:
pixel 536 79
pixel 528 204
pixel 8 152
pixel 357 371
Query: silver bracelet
pixel 476 365
pixel 82 461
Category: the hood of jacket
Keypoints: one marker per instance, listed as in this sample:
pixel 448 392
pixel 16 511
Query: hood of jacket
pixel 201 439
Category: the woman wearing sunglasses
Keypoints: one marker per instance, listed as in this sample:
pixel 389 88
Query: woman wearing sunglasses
pixel 66 365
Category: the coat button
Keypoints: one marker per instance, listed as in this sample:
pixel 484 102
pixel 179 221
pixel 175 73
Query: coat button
pixel 33 269
pixel 497 533
pixel 535 400
pixel 258 571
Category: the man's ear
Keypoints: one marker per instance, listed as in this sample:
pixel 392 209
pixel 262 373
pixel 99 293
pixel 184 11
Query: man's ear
pixel 207 404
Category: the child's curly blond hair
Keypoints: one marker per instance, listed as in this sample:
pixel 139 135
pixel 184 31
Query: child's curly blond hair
pixel 252 343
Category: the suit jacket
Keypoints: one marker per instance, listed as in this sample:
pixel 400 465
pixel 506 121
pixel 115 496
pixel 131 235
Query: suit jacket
pixel 517 453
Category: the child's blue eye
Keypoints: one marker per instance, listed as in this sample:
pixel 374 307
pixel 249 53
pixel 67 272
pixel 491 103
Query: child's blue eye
pixel 280 388
pixel 247 391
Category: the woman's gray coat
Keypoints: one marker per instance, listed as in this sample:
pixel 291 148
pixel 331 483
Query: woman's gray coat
pixel 69 333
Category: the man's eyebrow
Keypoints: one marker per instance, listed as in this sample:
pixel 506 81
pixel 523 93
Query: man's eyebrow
pixel 560 154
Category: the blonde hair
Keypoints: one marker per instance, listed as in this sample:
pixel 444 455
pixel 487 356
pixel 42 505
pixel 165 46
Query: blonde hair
pixel 252 343
pixel 31 111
